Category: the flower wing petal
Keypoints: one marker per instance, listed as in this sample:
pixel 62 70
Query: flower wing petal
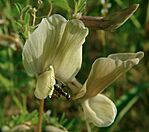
pixel 126 56
pixel 99 110
pixel 45 84
pixel 106 70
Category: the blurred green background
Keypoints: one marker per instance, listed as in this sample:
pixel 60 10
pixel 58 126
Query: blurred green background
pixel 130 93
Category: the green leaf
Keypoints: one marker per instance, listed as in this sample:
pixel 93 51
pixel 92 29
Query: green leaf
pixel 80 6
pixel 4 82
pixel 62 4
pixel 19 7
pixel 27 18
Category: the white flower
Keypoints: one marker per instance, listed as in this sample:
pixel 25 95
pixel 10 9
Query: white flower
pixel 98 109
pixel 54 50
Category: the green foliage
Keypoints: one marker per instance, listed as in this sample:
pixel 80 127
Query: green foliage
pixel 24 117
pixel 80 6
pixel 63 4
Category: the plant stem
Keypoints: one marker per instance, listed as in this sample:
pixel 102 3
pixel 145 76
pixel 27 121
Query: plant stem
pixel 41 106
pixel 88 127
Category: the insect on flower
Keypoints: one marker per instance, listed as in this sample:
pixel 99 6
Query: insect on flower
pixel 61 91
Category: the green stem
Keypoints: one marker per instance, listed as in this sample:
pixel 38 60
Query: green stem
pixel 41 106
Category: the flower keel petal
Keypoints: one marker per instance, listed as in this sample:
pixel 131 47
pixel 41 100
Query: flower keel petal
pixel 99 110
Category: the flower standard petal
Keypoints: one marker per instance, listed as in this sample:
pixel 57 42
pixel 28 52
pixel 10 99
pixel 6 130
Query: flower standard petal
pixel 106 70
pixel 69 55
pixel 69 66
pixel 55 42
pixel 99 110
pixel 38 51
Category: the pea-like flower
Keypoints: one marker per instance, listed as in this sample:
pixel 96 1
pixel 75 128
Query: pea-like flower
pixel 99 109
pixel 54 51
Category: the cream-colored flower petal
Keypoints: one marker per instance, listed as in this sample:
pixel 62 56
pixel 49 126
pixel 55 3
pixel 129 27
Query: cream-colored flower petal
pixel 99 110
pixel 126 56
pixel 51 128
pixel 69 65
pixel 69 54
pixel 106 70
pixel 45 84
pixel 55 42
pixel 39 49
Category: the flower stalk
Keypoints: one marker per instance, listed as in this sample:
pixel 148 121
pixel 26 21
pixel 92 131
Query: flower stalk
pixel 41 107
